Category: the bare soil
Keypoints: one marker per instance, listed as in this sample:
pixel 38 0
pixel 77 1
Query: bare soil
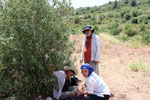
pixel 124 83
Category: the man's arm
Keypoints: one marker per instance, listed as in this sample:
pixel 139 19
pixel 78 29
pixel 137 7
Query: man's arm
pixel 82 51
pixel 98 47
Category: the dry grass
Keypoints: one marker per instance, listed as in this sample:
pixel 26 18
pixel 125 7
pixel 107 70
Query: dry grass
pixel 141 65
pixel 109 38
pixel 136 44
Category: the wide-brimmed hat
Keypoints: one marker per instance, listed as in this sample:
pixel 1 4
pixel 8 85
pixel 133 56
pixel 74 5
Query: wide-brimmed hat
pixel 87 27
pixel 72 68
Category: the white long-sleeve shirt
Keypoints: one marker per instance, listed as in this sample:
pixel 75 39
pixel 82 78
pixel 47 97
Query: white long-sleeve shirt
pixel 61 81
pixel 95 48
pixel 95 85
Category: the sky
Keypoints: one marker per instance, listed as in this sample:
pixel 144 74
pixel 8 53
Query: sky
pixel 88 3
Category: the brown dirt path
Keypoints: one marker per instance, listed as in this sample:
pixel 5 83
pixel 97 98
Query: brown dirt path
pixel 124 83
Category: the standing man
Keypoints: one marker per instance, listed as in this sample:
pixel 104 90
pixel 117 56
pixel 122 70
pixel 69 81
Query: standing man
pixel 91 48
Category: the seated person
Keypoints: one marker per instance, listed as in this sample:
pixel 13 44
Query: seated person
pixel 96 88
pixel 67 83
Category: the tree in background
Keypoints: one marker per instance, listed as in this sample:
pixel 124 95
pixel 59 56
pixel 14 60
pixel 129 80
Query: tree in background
pixel 133 3
pixel 110 2
pixel 29 30
pixel 126 1
pixel 115 4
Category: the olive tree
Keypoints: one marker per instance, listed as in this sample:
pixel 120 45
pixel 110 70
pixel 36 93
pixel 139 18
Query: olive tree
pixel 30 30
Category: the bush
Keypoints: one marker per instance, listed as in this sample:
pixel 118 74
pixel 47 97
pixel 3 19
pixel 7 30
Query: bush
pixel 142 27
pixel 89 16
pixel 127 16
pixel 102 17
pixel 143 19
pixel 93 17
pixel 148 17
pixel 77 20
pixel 96 29
pixel 124 37
pixel 114 29
pixel 110 15
pixel 146 37
pixel 115 4
pixel 133 3
pixel 103 29
pixel 130 31
pixel 86 17
pixel 134 21
pixel 135 13
pixel 141 65
pixel 126 1
pixel 124 12
pixel 30 29
pixel 99 22
pixel 116 15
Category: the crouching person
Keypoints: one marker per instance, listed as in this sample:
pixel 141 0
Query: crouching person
pixel 67 83
pixel 96 89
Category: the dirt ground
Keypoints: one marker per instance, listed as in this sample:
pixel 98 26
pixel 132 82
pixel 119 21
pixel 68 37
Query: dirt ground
pixel 124 83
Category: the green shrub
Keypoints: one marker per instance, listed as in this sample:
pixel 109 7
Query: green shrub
pixel 114 25
pixel 96 29
pixel 141 65
pixel 127 16
pixel 116 15
pixel 110 15
pixel 86 17
pixel 114 28
pixel 123 12
pixel 124 37
pixel 30 29
pixel 103 29
pixel 110 2
pixel 136 13
pixel 89 16
pixel 137 66
pixel 77 20
pixel 133 3
pixel 115 31
pixel 77 13
pixel 148 17
pixel 102 17
pixel 93 17
pixel 115 4
pixel 134 21
pixel 99 22
pixel 126 1
pixel 130 31
pixel 146 37
pixel 142 27
pixel 143 19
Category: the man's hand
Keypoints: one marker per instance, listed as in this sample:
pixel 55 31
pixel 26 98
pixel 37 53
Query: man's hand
pixel 81 61
pixel 51 66
pixel 96 62
pixel 79 92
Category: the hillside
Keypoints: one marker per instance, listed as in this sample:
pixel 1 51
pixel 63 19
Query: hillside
pixel 127 21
